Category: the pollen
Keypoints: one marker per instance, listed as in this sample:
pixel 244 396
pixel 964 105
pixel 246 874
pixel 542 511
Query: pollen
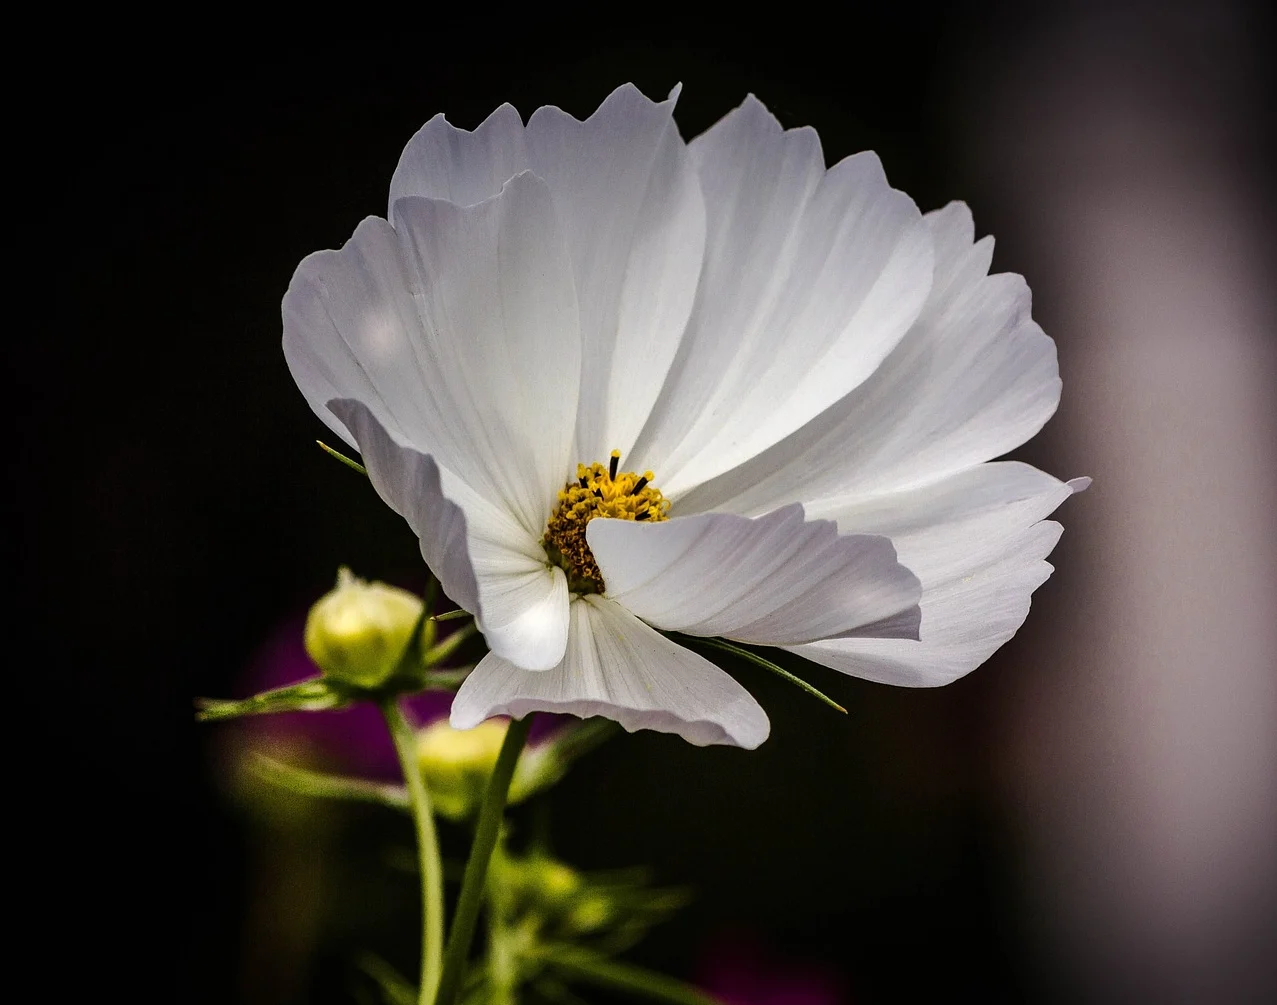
pixel 597 492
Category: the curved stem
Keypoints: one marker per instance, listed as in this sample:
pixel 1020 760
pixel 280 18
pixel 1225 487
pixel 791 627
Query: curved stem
pixel 427 851
pixel 485 840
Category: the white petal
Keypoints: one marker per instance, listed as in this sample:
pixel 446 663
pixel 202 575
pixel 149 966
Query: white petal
pixel 525 612
pixel 631 211
pixel 979 544
pixel 618 667
pixel 483 558
pixel 500 316
pixel 458 328
pixel 964 621
pixel 443 162
pixel 409 483
pixel 974 378
pixel 949 527
pixel 774 580
pixel 810 279
pixel 351 329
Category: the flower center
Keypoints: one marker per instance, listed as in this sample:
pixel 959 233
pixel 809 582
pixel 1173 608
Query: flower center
pixel 597 491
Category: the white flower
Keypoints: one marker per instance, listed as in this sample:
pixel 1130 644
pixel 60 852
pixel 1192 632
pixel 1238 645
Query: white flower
pixel 812 373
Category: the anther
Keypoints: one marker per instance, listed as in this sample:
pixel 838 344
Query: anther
pixel 597 491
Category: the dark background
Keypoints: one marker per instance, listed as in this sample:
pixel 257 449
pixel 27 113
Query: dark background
pixel 173 509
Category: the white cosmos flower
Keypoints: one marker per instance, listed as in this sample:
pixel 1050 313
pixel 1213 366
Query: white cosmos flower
pixel 812 372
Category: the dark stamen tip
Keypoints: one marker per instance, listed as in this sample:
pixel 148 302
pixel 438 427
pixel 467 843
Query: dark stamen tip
pixel 638 486
pixel 642 516
pixel 613 464
pixel 585 482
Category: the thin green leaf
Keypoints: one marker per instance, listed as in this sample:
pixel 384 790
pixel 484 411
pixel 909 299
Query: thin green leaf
pixel 319 785
pixel 767 664
pixel 394 988
pixel 590 968
pixel 554 990
pixel 447 680
pixel 440 651
pixel 315 694
pixel 342 457
pixel 451 615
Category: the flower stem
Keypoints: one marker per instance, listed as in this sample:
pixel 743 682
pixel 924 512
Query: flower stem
pixel 427 851
pixel 485 840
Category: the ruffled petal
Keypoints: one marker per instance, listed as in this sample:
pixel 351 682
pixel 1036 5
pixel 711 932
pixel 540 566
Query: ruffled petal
pixel 483 558
pixel 630 209
pixel 351 330
pixel 978 542
pixel 774 580
pixel 409 483
pixel 458 328
pixel 618 667
pixel 460 165
pixel 974 378
pixel 811 278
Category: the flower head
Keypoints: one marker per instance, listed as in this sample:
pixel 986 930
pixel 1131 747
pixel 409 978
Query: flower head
pixel 621 385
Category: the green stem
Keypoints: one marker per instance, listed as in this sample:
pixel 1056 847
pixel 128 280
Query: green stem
pixel 485 840
pixel 620 976
pixel 427 851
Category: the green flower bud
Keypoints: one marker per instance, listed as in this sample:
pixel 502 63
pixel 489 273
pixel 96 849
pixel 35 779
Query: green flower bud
pixel 358 631
pixel 551 883
pixel 456 764
pixel 590 913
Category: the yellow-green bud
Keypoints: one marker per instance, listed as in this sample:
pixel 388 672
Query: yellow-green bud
pixel 358 631
pixel 456 764
pixel 590 913
pixel 552 883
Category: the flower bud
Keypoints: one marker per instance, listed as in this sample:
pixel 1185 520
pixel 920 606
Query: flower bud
pixel 551 883
pixel 358 631
pixel 457 763
pixel 590 913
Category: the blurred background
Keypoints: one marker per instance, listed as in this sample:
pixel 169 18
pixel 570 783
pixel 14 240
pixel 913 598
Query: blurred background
pixel 1092 816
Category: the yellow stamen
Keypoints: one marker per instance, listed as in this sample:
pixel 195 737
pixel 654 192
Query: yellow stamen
pixel 597 492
